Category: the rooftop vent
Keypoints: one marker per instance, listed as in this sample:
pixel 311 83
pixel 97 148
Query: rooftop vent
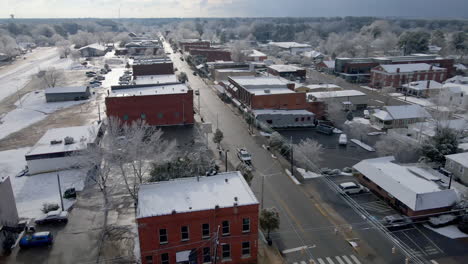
pixel 235 198
pixel 174 211
pixel 267 91
pixel 55 142
pixel 226 180
pixel 69 140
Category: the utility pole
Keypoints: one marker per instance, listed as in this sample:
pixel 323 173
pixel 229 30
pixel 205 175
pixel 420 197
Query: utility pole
pixel 216 242
pixel 292 158
pixel 263 184
pixel 60 191
pixel 450 181
pixel 99 112
pixel 225 159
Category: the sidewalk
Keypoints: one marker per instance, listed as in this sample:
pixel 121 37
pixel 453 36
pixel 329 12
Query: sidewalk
pixel 268 255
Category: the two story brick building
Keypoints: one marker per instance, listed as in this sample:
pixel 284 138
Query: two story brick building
pixel 397 75
pixel 198 220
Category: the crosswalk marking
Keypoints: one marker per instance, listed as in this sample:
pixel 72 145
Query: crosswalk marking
pixel 321 261
pixel 347 260
pixel 434 262
pixel 339 260
pixel 355 259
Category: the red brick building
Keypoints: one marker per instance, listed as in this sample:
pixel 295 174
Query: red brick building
pixel 152 66
pixel 396 75
pixel 192 220
pixel 158 105
pixel 187 44
pixel 212 54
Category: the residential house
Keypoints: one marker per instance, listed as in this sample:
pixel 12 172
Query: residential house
pixel 61 94
pixel 315 56
pixel 93 50
pixel 396 75
pixel 349 99
pixel 458 165
pixel 327 66
pixel 411 189
pixel 57 148
pixel 254 55
pixel 423 131
pixel 292 47
pixel 399 116
pixel 198 220
pixel 427 88
pixel 289 72
pixel 454 96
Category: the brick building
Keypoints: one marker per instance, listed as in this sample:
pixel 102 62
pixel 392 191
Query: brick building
pixel 192 220
pixel 287 71
pixel 396 75
pixel 152 66
pixel 211 54
pixel 158 104
pixel 187 44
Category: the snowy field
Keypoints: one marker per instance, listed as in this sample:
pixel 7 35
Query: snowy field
pixel 32 191
pixel 32 108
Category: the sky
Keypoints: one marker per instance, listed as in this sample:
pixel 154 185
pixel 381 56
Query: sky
pixel 232 8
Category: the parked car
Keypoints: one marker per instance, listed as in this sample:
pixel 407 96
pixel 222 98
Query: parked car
pixel 244 156
pixel 57 216
pixel 352 188
pixel 325 129
pixel 94 85
pixel 128 72
pixel 442 220
pixel 103 71
pixel 343 140
pixel 99 78
pixel 366 114
pixel 197 92
pixel 95 81
pixel 90 74
pixel 37 239
pixel 195 73
pixel 396 221
pixel 69 193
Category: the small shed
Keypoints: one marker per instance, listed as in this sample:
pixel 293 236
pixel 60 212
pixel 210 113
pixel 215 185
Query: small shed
pixel 93 50
pixel 61 94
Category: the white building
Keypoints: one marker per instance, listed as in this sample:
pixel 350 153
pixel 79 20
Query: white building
pixel 427 88
pixel 314 55
pixel 277 118
pixel 57 147
pixel 455 94
pixel 458 165
pixel 93 50
pixel 399 116
pixel 8 211
pixel 292 47
pixel 350 99
pixel 412 189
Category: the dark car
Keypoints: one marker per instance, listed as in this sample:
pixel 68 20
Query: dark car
pixel 392 222
pixel 53 217
pixel 95 82
pixel 325 129
pixel 37 239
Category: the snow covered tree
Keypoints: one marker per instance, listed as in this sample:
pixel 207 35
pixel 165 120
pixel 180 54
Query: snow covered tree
pixel 218 136
pixel 404 150
pixel 53 77
pixel 444 142
pixel 307 154
pixel 64 47
pixel 414 42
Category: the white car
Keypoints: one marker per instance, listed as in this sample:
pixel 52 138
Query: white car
pixel 343 140
pixel 352 188
pixel 366 114
pixel 244 156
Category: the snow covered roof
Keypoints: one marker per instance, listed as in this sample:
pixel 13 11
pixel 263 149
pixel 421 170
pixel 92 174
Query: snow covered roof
pixel 457 80
pixel 95 46
pixel 461 158
pixel 249 82
pixel 422 85
pixel 285 68
pixel 429 128
pixel 289 45
pixel 414 188
pixel 383 115
pixel 178 88
pixel 155 79
pixel 456 88
pixel 323 86
pixel 281 112
pixel 194 194
pixel 330 64
pixel 407 111
pixel 270 90
pixel 312 54
pixel 392 68
pixel 71 89
pixel 82 135
pixel 151 60
pixel 256 53
pixel 334 94
pixel 460 67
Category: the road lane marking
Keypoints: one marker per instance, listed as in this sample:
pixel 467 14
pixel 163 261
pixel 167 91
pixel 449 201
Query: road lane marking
pixel 355 259
pixel 286 251
pixel 347 260
pixel 340 261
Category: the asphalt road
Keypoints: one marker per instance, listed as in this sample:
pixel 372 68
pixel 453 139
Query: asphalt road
pixel 305 222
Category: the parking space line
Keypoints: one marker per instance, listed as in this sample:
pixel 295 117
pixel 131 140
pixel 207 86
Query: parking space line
pixel 412 241
pixel 430 240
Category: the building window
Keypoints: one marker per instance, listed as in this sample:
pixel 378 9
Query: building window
pixel 160 115
pixel 125 117
pixel 149 259
pixel 225 228
pixel 163 236
pixel 205 230
pixel 302 118
pixel 143 116
pixel 184 233
pixel 206 255
pixel 461 169
pixel 226 250
pixel 296 119
pixel 245 225
pixel 245 249
pixel 308 118
pixel 164 258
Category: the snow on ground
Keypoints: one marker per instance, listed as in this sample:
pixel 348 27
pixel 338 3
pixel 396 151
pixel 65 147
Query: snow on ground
pixel 368 88
pixel 16 79
pixel 396 94
pixel 32 108
pixel 419 101
pixel 112 78
pixel 450 231
pixel 308 174
pixel 32 191
pixel 359 120
pixel 362 145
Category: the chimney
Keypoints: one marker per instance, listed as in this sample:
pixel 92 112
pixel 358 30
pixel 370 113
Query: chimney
pixel 430 68
pixel 398 70
pixel 291 86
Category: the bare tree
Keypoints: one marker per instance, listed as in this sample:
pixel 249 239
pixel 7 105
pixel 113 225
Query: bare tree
pixel 387 91
pixel 52 77
pixel 356 130
pixel 64 47
pixel 308 153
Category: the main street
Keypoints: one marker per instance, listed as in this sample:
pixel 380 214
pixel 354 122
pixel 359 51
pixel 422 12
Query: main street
pixel 310 229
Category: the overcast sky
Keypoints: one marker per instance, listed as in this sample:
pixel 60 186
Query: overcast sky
pixel 232 8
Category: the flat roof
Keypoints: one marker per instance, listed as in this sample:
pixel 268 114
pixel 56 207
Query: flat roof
pixel 281 112
pixel 410 185
pixel 461 158
pixel 288 45
pixel 334 94
pixel 194 194
pixel 264 81
pixel 285 68
pixel 70 89
pixel 82 135
pixel 155 79
pixel 321 86
pixel 392 68
pixel 270 90
pixel 178 88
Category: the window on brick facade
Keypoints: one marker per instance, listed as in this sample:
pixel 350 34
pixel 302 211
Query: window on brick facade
pixel 226 251
pixel 245 224
pixel 226 230
pixel 205 230
pixel 246 249
pixel 163 236
pixel 206 255
pixel 164 258
pixel 149 259
pixel 184 233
